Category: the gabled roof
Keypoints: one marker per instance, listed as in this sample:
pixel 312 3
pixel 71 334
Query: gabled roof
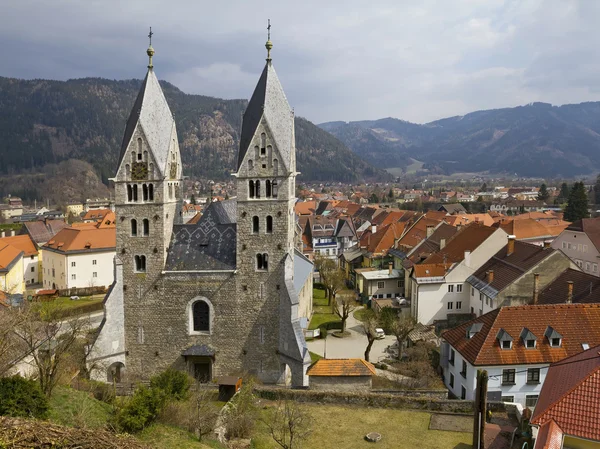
pixel 305 207
pixel 383 239
pixel 430 245
pixel 570 395
pixel 527 228
pixel 508 268
pixel 21 242
pixel 465 219
pixel 269 101
pixel 341 368
pixel 431 270
pixel 586 288
pixel 417 232
pixel 95 214
pixel 468 239
pixel 303 268
pixel 9 255
pixel 549 436
pixel 576 323
pixel 152 113
pixel 83 239
pixel 591 226
pixel 453 208
pixel 43 230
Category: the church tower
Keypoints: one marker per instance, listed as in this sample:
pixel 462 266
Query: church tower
pixel 147 203
pixel 266 173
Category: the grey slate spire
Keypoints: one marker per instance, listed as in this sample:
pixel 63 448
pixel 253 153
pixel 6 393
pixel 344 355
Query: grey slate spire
pixel 269 101
pixel 153 115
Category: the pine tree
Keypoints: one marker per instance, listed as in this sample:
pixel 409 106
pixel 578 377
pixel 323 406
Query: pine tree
pixel 564 193
pixel 577 207
pixel 483 187
pixel 391 194
pixel 543 194
pixel 597 191
pixel 373 199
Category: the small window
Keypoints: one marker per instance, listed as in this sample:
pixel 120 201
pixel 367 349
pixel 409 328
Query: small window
pixel 458 305
pixel 533 376
pixel 268 188
pixel 506 344
pixel 250 164
pixel 449 306
pixel 459 288
pixel 151 192
pixel 73 264
pixel 146 226
pixel 201 316
pixel 73 277
pixel 450 288
pixel 255 224
pixel 595 268
pixel 508 376
pixel 463 392
pixel 95 274
pixel 33 269
pixel 381 284
pixel 481 297
pixel 257 188
pixel 94 262
pixel 555 342
pixel 140 264
pixel 452 357
pixel 531 400
pixel 145 192
pixel 530 344
pixel 401 284
pixel 269 224
pixel 451 383
pixel 274 189
pixel 134 227
pixel 463 371
pixel 262 261
pixel 250 189
pixel 472 291
pixel 564 245
pixel 507 399
pixel 486 301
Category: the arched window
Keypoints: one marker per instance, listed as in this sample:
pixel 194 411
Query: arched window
pixel 151 192
pixel 263 144
pixel 274 189
pixel 265 261
pixel 269 224
pixel 145 156
pixel 145 192
pixel 262 261
pixel 133 156
pixel 251 189
pixel 139 142
pixel 134 227
pixel 250 164
pixel 140 264
pixel 127 170
pixel 255 224
pixel 259 261
pixel 269 153
pixel 146 226
pixel 257 188
pixel 170 191
pixel 201 316
pixel 275 166
pixel 268 188
pixel 135 195
pixel 129 193
pixel 256 152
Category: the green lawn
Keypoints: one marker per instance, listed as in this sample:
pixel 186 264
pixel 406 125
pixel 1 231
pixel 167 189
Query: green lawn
pixel 345 427
pixel 162 436
pixel 70 407
pixel 314 356
pixel 68 306
pixel 321 311
pixel 359 313
pixel 319 297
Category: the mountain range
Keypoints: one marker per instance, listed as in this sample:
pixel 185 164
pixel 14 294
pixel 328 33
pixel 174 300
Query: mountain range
pixel 536 140
pixel 48 122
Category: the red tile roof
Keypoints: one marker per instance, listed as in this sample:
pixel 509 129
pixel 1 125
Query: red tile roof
pixel 468 239
pixel 549 436
pixel 576 323
pixel 383 239
pixel 417 233
pixel 84 239
pixel 591 226
pixel 570 396
pixel 22 242
pixel 9 255
pixel 431 270
pixel 305 207
pixel 586 288
pixel 341 367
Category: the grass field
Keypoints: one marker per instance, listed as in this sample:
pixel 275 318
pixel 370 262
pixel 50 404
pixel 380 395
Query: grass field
pixel 359 313
pixel 86 304
pixel 70 407
pixel 321 311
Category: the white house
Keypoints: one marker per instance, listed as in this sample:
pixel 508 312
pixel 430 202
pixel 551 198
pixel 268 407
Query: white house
pixel 373 283
pixel 31 261
pixel 516 345
pixel 81 256
pixel 439 284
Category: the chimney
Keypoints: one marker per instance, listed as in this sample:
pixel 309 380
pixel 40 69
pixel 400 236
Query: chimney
pixel 442 243
pixel 430 229
pixel 2 234
pixel 546 244
pixel 12 232
pixel 569 292
pixel 373 229
pixel 468 258
pixel 511 245
pixel 536 287
pixel 490 276
pixel 390 268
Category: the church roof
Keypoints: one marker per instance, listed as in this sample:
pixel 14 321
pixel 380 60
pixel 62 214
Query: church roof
pixel 152 112
pixel 268 100
pixel 209 244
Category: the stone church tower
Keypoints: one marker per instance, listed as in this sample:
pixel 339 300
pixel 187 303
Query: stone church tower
pixel 218 297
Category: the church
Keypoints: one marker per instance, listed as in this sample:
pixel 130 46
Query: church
pixel 216 298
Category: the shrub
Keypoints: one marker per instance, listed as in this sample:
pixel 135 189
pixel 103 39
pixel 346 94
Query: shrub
pixel 241 414
pixel 323 330
pixel 21 397
pixel 101 391
pixel 141 409
pixel 175 384
pixel 198 415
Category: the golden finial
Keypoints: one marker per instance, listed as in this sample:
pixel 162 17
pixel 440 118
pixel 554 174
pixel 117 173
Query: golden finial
pixel 269 44
pixel 150 51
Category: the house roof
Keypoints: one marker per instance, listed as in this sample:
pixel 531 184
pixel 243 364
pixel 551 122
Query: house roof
pixel 465 219
pixel 576 323
pixel 430 245
pixel 43 230
pixel 383 239
pixel 95 214
pixel 570 395
pixel 305 207
pixel 417 232
pixel 586 288
pixel 509 267
pixel 376 275
pixel 528 228
pixel 84 239
pixel 341 368
pixel 549 436
pixel 22 242
pixel 269 101
pixel 431 270
pixel 468 239
pixel 453 208
pixel 9 255
pixel 591 226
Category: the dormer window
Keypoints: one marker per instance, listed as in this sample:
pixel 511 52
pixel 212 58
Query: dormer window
pixel 529 340
pixel 504 339
pixel 473 329
pixel 554 338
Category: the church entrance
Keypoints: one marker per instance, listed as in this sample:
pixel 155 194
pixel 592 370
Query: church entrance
pixel 202 371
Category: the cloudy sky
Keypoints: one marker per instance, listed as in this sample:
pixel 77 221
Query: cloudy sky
pixel 417 60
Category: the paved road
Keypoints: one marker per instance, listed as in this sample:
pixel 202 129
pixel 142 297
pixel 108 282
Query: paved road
pixel 352 346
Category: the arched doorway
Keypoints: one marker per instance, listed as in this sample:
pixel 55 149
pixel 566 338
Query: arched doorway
pixel 285 377
pixel 115 372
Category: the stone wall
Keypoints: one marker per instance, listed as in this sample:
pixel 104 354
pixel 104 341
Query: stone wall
pixel 338 383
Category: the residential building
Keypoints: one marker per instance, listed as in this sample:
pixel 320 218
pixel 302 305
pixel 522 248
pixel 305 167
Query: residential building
pixel 376 242
pixel 514 276
pixel 512 206
pixel 98 203
pixel 453 208
pixel 341 375
pixel 581 242
pixel 32 272
pixel 374 283
pixel 75 208
pixel 189 211
pixel 11 269
pixel 81 257
pixel 516 345
pixel 567 414
pixel 7 211
pixel 330 236
pixel 439 287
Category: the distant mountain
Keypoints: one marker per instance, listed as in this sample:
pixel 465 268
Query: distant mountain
pixel 533 140
pixel 46 122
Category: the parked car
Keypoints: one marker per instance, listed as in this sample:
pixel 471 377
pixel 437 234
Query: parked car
pixel 379 333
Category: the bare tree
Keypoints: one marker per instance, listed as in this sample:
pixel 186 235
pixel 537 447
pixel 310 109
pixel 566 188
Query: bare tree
pixel 402 325
pixel 332 277
pixel 48 339
pixel 370 323
pixel 345 304
pixel 289 424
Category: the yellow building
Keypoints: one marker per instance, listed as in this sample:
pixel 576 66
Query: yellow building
pixel 75 209
pixel 11 270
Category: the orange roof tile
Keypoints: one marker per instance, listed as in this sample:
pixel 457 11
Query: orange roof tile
pixel 84 239
pixel 526 228
pixel 305 207
pixel 468 239
pixel 195 219
pixel 96 214
pixel 341 367
pixel 549 436
pixel 418 232
pixel 431 270
pixel 465 219
pixel 577 323
pixel 8 256
pixel 382 240
pixel 22 242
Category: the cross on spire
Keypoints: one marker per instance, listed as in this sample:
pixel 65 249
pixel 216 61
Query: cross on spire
pixel 150 51
pixel 150 34
pixel 269 30
pixel 269 44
